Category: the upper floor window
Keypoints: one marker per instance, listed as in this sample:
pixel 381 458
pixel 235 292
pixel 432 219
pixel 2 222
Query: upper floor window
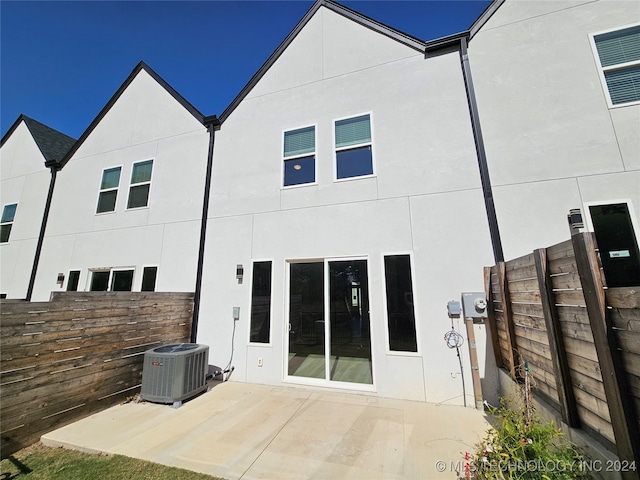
pixel 300 156
pixel 354 156
pixel 140 184
pixel 619 57
pixel 8 214
pixel 108 190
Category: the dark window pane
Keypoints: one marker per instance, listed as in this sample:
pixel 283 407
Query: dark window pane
pixel 617 244
pixel 72 284
pixel 107 201
pixel 138 196
pixel 110 178
pixel 99 281
pixel 9 212
pixel 5 231
pixel 306 320
pixel 355 162
pixel 400 314
pixel 299 171
pixel 149 279
pixel 261 302
pixel 122 281
pixel 142 172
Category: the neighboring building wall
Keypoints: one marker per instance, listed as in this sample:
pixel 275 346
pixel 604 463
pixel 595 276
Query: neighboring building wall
pixel 424 199
pixel 25 181
pixel 145 123
pixel 552 141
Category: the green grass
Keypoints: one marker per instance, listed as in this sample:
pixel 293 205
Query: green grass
pixel 40 462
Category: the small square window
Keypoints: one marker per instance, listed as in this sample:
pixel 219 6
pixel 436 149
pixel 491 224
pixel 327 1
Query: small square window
pixel 108 190
pixel 8 215
pixel 299 156
pixel 140 184
pixel 354 151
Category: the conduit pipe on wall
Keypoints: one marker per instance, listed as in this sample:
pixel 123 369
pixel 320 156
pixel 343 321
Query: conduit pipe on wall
pixel 212 123
pixel 54 166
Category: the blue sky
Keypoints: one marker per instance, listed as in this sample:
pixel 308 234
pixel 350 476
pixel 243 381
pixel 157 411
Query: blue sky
pixel 60 62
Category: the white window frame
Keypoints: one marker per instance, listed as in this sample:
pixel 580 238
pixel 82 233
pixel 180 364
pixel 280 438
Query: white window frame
pixel 602 70
pixel 292 379
pixel 388 351
pixel 249 342
pixel 293 157
pixel 351 147
pixel 12 220
pixel 138 184
pixel 101 190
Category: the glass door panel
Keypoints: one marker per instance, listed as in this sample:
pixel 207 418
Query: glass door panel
pixel 307 320
pixel 350 340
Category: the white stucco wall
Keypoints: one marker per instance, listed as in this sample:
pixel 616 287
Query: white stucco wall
pixel 552 142
pixel 25 181
pixel 424 199
pixel 145 123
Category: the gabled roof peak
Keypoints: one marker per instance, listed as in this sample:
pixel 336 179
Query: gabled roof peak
pixel 53 144
pixel 138 68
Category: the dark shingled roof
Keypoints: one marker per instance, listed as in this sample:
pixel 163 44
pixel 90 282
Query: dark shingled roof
pixel 53 144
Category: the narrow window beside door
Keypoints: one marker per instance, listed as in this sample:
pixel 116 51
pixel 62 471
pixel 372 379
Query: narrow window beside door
pixel 400 313
pixel 72 283
pixel 149 275
pixel 261 303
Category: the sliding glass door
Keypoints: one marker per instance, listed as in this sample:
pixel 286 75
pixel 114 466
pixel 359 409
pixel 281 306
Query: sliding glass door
pixel 329 329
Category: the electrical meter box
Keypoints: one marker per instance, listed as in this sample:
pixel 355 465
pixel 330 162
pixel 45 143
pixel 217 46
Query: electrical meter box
pixel 453 309
pixel 474 305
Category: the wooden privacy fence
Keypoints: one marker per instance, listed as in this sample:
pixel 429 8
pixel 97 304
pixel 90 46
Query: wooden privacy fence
pixel 77 354
pixel 580 340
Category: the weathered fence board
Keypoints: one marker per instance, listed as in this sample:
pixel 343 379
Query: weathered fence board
pixel 552 309
pixel 79 353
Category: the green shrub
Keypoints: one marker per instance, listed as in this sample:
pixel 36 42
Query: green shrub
pixel 524 447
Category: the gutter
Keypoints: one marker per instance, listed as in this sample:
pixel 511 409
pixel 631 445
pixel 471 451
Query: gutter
pixel 489 204
pixel 54 166
pixel 212 123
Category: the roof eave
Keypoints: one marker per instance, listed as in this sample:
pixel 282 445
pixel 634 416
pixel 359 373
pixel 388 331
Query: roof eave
pixel 484 17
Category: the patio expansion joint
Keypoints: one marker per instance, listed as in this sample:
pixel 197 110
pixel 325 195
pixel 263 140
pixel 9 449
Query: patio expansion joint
pixel 291 417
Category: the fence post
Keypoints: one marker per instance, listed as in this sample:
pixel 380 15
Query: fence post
pixel 512 354
pixel 556 342
pixel 491 319
pixel 621 411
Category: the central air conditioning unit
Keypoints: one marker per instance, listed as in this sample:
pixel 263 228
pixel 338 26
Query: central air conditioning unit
pixel 174 373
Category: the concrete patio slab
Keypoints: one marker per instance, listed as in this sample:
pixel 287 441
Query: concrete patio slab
pixel 246 431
